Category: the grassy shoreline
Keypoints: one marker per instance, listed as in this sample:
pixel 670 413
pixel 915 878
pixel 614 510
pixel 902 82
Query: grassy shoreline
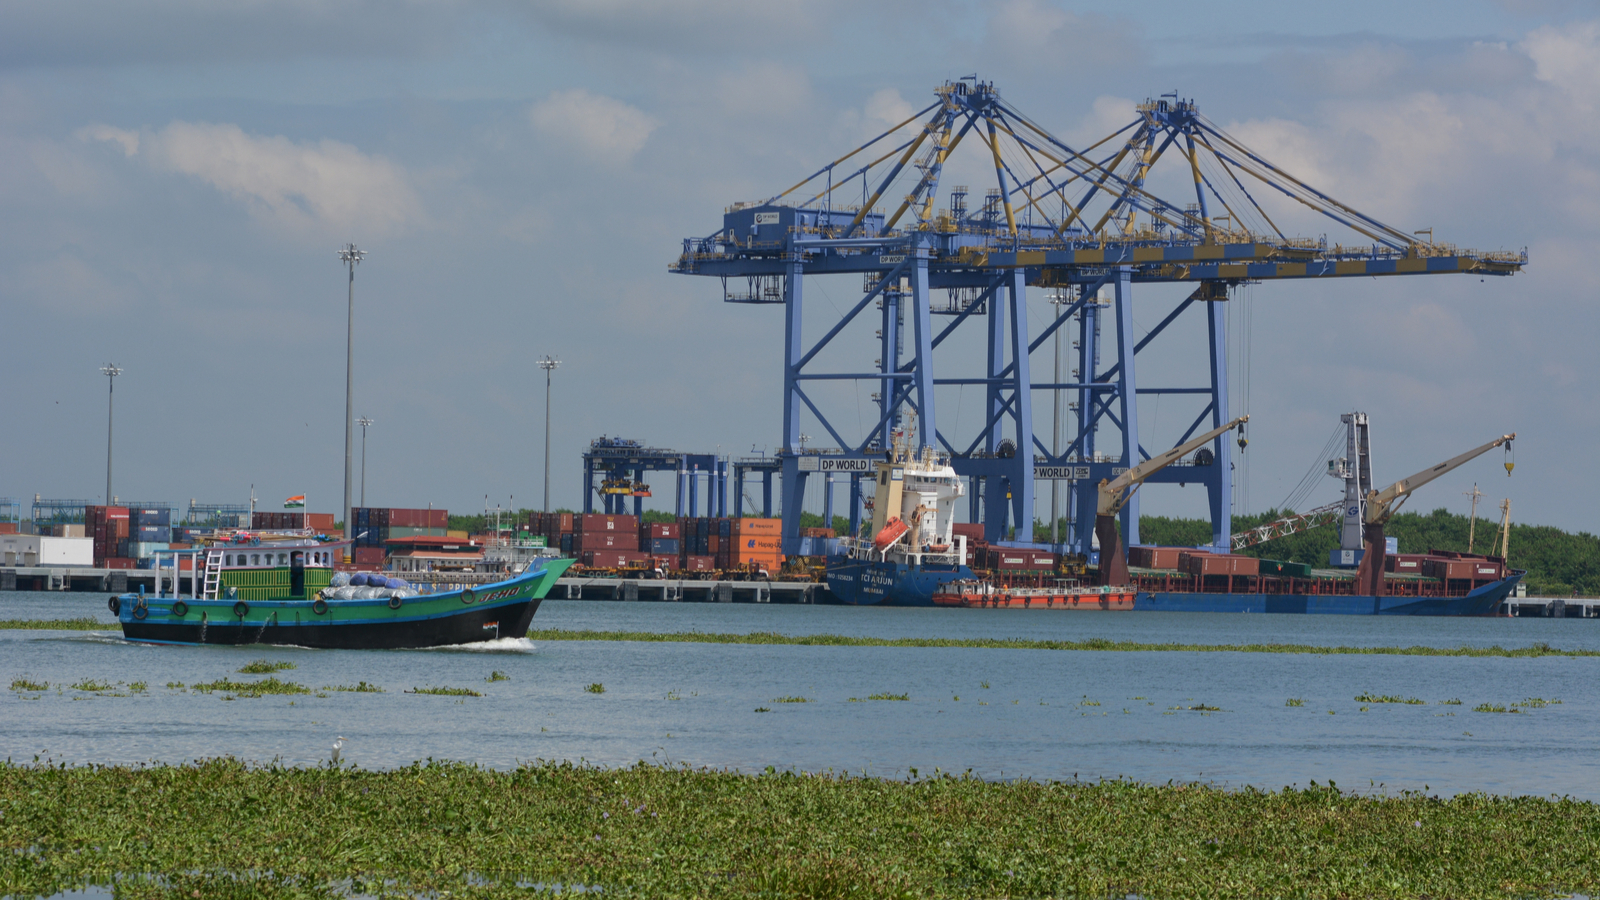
pixel 222 828
pixel 839 640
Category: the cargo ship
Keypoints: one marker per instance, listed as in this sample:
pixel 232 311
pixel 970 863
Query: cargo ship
pixel 913 548
pixel 288 593
pixel 1438 583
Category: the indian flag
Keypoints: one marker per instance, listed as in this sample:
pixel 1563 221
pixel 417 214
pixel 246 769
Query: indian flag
pixel 296 502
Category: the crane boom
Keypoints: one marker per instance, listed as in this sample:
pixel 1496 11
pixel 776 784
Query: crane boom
pixel 1112 497
pixel 1382 504
pixel 1115 493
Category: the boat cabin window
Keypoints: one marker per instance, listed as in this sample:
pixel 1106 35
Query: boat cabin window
pixel 255 559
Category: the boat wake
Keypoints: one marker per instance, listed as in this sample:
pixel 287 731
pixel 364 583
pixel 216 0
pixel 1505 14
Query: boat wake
pixel 498 645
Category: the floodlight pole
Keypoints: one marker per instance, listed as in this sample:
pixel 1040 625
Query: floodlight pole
pixel 363 422
pixel 548 364
pixel 111 372
pixel 350 256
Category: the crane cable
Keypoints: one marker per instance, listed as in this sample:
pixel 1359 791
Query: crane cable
pixel 1309 481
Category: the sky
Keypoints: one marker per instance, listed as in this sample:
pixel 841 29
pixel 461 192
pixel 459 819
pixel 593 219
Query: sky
pixel 177 176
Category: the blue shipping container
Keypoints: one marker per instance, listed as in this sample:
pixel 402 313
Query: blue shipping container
pixel 148 516
pixel 662 547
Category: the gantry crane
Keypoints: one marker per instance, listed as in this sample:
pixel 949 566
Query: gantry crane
pixel 1381 505
pixel 1114 494
pixel 1079 219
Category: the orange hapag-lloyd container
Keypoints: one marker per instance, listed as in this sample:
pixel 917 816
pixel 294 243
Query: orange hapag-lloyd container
pixel 773 527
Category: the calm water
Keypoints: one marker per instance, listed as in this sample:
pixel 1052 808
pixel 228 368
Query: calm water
pixel 1040 714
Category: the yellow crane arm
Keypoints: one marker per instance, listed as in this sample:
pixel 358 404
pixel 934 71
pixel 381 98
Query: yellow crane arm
pixel 1112 496
pixel 1382 504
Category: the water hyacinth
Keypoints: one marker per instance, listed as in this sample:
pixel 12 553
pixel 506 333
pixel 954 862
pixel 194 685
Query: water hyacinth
pixel 225 829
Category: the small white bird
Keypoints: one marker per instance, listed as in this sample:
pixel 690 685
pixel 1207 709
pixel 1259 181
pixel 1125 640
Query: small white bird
pixel 338 745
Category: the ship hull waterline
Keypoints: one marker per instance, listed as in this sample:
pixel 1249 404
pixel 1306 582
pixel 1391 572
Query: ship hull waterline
pixel 501 610
pixel 857 582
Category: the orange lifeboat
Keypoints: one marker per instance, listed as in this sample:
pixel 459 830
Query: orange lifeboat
pixel 892 531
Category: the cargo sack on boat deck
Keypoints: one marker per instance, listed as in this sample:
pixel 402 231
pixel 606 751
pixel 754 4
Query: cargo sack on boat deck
pixel 339 580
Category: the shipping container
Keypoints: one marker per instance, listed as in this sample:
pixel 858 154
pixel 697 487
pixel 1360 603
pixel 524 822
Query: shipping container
pixel 400 531
pixel 665 563
pixel 662 546
pixel 816 532
pixel 150 515
pixel 1222 564
pixel 652 530
pixel 973 531
pixel 369 556
pixel 748 527
pixel 116 563
pixel 566 544
pixel 72 531
pixel 604 540
pixel 699 564
pixel 321 523
pixel 600 522
pixel 1155 557
pixel 1404 563
pixel 613 559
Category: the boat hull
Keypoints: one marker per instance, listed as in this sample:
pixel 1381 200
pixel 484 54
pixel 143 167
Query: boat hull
pixel 504 609
pixel 859 582
pixel 1482 601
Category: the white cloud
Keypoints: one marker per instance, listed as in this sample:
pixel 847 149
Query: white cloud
pixel 593 124
pixel 1568 57
pixel 325 184
pixel 1041 36
pixel 887 108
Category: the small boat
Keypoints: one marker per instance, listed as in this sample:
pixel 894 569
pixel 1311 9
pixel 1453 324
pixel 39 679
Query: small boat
pixel 287 593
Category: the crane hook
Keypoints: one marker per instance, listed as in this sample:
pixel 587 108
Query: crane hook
pixel 1243 441
pixel 1511 459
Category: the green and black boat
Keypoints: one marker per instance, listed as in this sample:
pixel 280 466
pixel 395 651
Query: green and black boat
pixel 287 593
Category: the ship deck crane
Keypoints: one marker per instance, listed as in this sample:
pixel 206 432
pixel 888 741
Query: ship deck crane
pixel 1381 505
pixel 1116 492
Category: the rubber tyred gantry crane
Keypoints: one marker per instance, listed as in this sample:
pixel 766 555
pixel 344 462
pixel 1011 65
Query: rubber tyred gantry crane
pixel 1082 219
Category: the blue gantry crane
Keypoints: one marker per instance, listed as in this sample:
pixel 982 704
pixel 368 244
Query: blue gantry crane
pixel 1083 221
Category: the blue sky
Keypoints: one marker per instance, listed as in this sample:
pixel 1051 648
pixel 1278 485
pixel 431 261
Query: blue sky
pixel 176 176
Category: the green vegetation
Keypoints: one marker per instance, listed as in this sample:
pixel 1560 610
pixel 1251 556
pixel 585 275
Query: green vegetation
pixel 1536 703
pixel 24 683
pixel 270 685
pixel 596 688
pixel 446 691
pixel 1365 697
pixel 1558 562
pixel 1493 708
pixel 791 699
pixel 265 667
pixel 91 685
pixel 1295 701
pixel 360 687
pixel 83 624
pixel 223 829
pixel 1097 644
pixel 888 696
pixel 1451 702
pixel 497 675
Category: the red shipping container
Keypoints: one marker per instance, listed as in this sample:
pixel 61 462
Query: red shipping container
pixel 320 522
pixel 8 528
pixel 565 523
pixel 600 522
pixel 1222 564
pixel 438 518
pixel 699 563
pixel 1404 563
pixel 1154 557
pixel 973 530
pixel 653 530
pixel 116 563
pixel 1487 570
pixel 604 540
pixel 369 556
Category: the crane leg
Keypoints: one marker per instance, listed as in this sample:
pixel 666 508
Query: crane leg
pixel 1369 577
pixel 1113 560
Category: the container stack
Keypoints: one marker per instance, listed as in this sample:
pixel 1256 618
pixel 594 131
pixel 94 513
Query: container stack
pixel 108 525
pixel 607 542
pixel 663 543
pixel 755 544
